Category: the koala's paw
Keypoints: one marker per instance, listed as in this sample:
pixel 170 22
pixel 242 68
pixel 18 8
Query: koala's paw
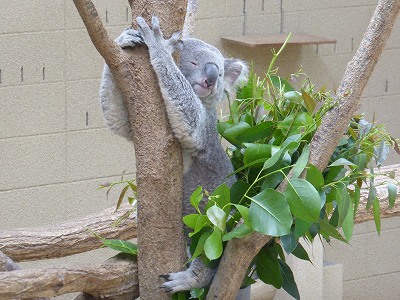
pixel 180 281
pixel 129 38
pixel 154 38
pixel 197 276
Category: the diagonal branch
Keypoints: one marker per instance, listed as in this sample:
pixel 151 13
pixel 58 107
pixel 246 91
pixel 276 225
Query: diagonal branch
pixel 239 253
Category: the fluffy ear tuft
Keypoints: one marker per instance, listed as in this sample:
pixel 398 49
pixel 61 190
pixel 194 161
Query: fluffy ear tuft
pixel 236 74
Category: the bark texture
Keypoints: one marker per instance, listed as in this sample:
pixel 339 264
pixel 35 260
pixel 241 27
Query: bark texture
pixel 114 279
pixel 69 238
pixel 239 253
pixel 158 163
pixel 158 155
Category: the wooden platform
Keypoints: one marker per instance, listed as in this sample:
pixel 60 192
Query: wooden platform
pixel 277 39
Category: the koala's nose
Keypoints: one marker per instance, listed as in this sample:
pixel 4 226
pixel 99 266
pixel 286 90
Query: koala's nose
pixel 211 73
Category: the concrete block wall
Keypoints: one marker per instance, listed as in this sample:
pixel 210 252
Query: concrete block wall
pixel 371 268
pixel 56 151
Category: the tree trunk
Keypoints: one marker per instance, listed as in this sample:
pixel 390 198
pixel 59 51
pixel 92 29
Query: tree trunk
pixel 158 156
pixel 239 253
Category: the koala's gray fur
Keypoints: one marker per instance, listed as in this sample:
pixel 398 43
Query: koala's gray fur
pixel 191 93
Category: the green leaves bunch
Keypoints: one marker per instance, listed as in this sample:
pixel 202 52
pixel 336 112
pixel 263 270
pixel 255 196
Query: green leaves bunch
pixel 269 127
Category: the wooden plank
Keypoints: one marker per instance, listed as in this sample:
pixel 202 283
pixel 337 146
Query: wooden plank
pixel 277 39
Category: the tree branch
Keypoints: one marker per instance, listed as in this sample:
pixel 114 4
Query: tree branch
pixel 239 253
pixel 113 279
pixel 68 238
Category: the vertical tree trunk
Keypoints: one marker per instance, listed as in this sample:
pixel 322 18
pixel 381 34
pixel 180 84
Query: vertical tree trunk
pixel 158 155
pixel 159 176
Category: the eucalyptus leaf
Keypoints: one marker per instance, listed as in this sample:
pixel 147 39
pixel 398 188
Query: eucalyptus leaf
pixel 381 153
pixel 293 96
pixel 301 253
pixel 357 195
pixel 392 193
pixel 371 194
pixel 238 190
pixel 121 196
pixel 270 213
pixel 200 223
pixel 301 162
pixel 196 197
pixel 256 152
pixel 257 132
pixel 301 227
pixel 179 296
pixel 217 217
pixel 222 198
pixel 348 224
pixel 231 133
pixel 377 215
pixel 295 124
pixel 281 83
pixel 289 242
pixel 238 232
pixel 268 269
pixel 213 245
pixel 200 245
pixel 121 246
pixel 341 162
pixel 244 212
pixel 309 102
pixel 191 220
pixel 303 199
pixel 315 177
pixel 343 203
pixel 327 230
pixel 289 284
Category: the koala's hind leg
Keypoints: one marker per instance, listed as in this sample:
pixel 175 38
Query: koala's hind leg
pixel 197 276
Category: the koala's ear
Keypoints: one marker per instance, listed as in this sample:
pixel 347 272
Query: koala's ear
pixel 236 74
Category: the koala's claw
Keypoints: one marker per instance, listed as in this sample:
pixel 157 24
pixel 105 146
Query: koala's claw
pixel 153 37
pixel 129 38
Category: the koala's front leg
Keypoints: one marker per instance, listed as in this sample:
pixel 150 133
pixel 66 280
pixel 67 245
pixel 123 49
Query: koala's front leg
pixel 185 111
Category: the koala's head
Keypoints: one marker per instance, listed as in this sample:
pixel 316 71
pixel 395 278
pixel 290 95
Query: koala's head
pixel 208 72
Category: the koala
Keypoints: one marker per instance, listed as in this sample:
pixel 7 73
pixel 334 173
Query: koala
pixel 191 91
